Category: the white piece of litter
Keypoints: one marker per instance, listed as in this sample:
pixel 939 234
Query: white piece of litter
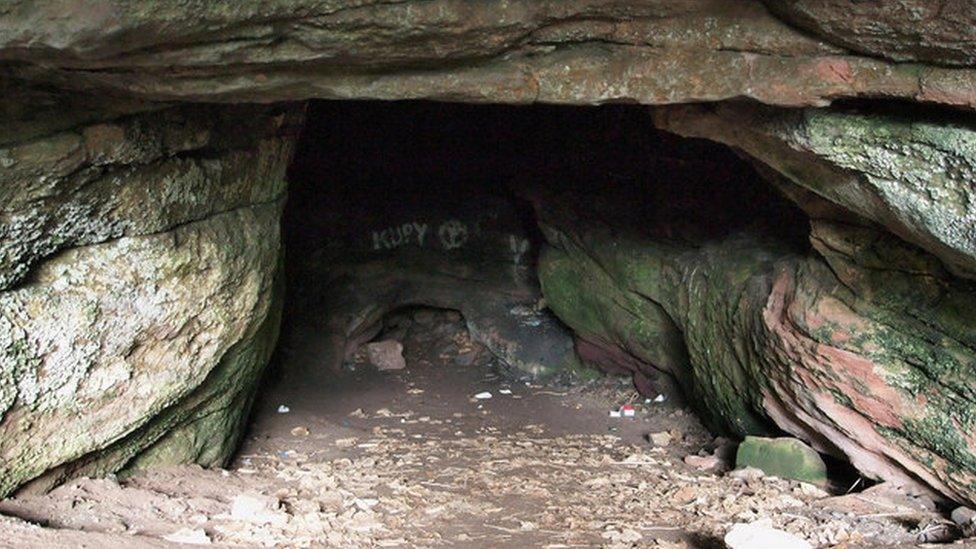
pixel 483 396
pixel 505 391
pixel 282 409
pixel 614 413
pixel 660 398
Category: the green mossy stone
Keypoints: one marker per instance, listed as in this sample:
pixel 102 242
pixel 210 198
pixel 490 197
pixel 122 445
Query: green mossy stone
pixel 782 457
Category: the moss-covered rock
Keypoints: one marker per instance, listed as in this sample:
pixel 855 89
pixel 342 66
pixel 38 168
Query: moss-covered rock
pixel 862 346
pixel 782 457
pixel 152 244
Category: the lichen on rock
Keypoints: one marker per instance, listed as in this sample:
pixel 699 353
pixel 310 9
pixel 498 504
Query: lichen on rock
pixel 139 288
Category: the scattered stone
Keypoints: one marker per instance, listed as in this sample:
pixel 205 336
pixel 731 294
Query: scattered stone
pixel 365 504
pixel 761 534
pixel 386 355
pixel 747 474
pixel 662 438
pixel 189 536
pixel 256 508
pixel 483 395
pixel 299 432
pixel 282 409
pixel 685 494
pixel 810 491
pixel 704 463
pixel 783 457
pixel 624 536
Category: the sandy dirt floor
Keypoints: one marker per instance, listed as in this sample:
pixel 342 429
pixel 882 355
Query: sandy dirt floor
pixel 410 458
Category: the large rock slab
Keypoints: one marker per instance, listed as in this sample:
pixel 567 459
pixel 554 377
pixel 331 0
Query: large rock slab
pixel 139 289
pixel 861 346
pixel 942 33
pixel 910 171
pixel 583 51
pixel 136 175
pixel 108 338
pixel 782 457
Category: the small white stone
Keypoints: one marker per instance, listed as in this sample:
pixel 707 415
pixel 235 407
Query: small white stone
pixel 483 395
pixel 662 438
pixel 256 508
pixel 190 536
pixel 761 534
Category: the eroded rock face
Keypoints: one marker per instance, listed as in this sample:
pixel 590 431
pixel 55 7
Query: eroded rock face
pixel 860 346
pixel 138 304
pixel 941 33
pixel 910 171
pixel 475 258
pixel 585 51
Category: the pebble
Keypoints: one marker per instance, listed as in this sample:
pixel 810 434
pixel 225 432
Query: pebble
pixel 703 463
pixel 662 438
pixel 747 474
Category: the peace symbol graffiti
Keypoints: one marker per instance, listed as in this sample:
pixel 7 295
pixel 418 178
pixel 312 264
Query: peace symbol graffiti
pixel 453 234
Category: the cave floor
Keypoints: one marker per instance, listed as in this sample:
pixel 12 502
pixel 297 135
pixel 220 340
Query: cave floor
pixel 410 458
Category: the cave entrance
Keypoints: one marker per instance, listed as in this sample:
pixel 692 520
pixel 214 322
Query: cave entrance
pixel 421 380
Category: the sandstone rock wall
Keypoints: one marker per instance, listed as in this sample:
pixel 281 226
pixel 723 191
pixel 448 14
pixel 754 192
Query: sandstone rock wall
pixel 139 243
pixel 583 51
pixel 861 345
pixel 137 304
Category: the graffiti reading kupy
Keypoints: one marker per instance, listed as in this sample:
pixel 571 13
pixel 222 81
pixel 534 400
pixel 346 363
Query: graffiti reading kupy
pixel 453 234
pixel 394 237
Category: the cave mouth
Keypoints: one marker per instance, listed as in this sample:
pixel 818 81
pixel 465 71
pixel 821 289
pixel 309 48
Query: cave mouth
pixel 444 205
pixel 402 210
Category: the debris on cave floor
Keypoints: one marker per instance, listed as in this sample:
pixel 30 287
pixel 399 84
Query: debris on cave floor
pixel 411 458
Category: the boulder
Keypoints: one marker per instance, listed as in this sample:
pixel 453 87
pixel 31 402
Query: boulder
pixel 151 305
pixel 940 33
pixel 858 343
pixel 782 457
